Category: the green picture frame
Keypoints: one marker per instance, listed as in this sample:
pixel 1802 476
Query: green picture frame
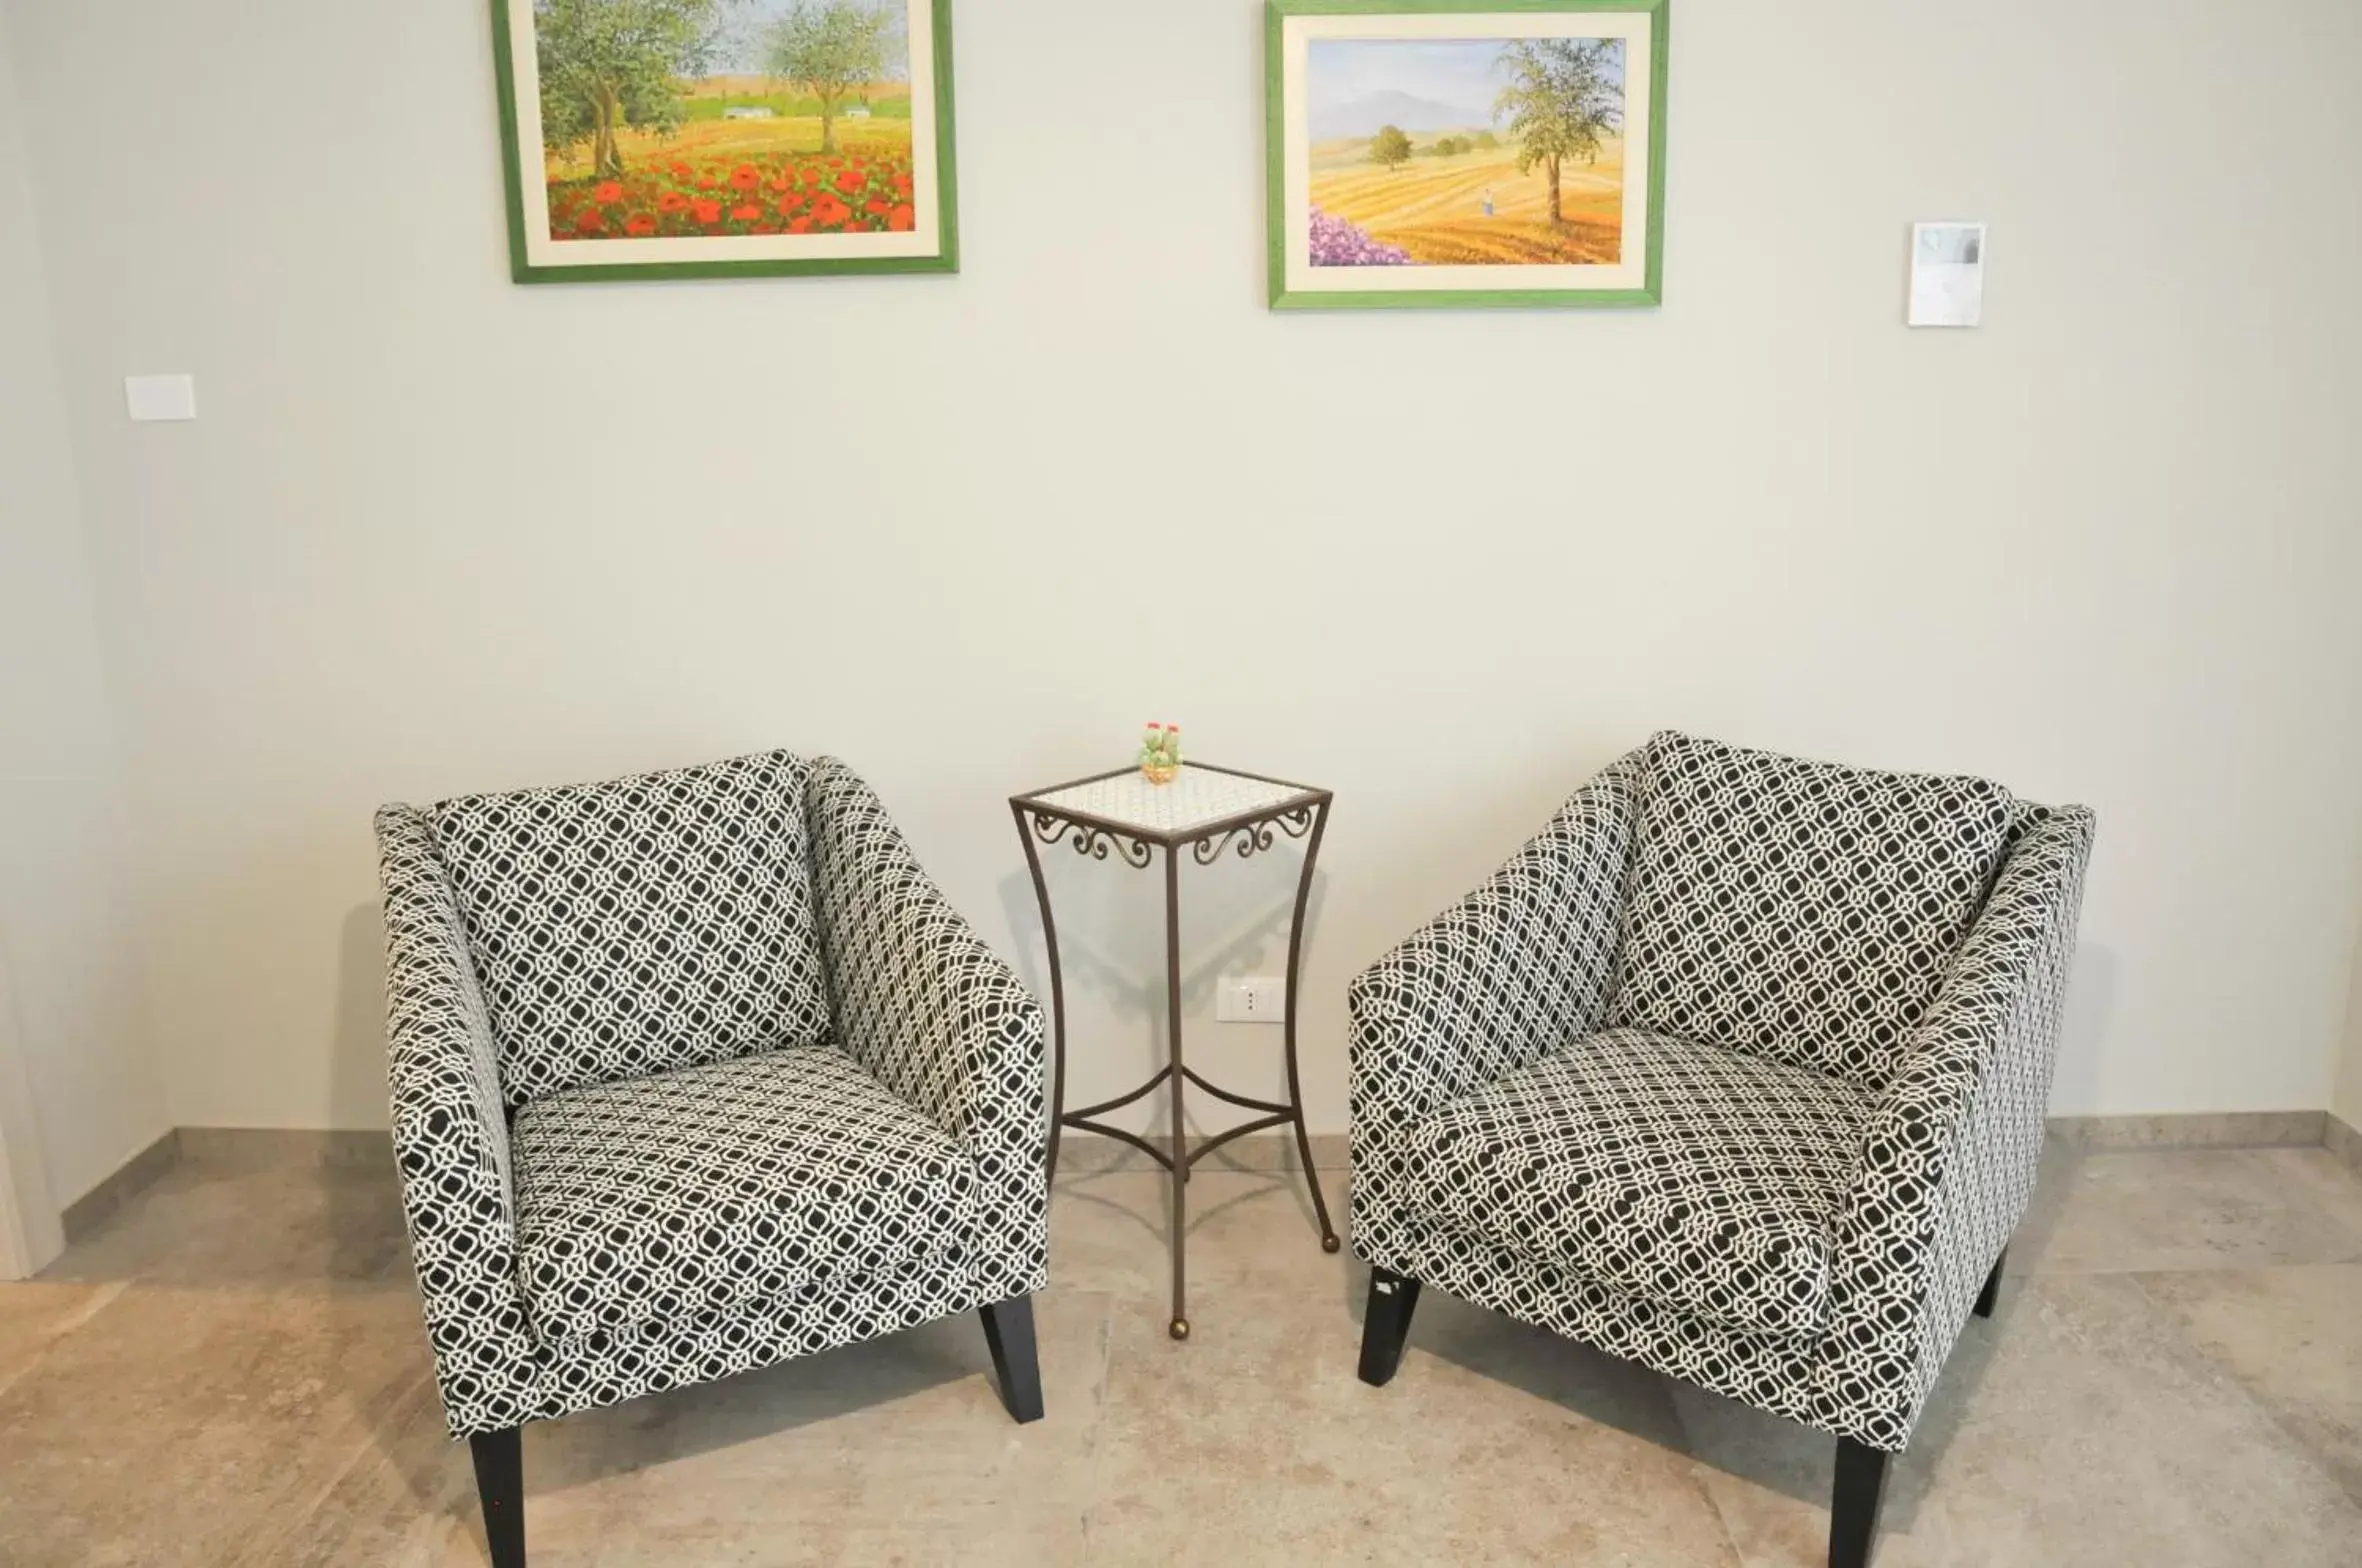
pixel 628 246
pixel 1484 196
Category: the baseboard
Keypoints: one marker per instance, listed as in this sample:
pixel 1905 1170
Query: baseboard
pixel 2342 1140
pixel 249 1148
pixel 2212 1130
pixel 133 1177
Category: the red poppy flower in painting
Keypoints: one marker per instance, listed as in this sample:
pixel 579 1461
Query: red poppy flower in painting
pixel 640 226
pixel 814 176
pixel 707 211
pixel 608 191
pixel 707 182
pixel 901 219
pixel 672 201
pixel 745 177
pixel 828 212
pixel 902 183
pixel 745 214
pixel 802 225
pixel 877 208
pixel 682 171
pixel 851 181
pixel 590 222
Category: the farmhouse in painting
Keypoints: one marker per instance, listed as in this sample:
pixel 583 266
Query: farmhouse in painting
pixel 752 111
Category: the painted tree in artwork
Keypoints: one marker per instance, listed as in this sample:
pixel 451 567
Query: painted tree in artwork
pixel 1390 147
pixel 606 64
pixel 833 49
pixel 1564 95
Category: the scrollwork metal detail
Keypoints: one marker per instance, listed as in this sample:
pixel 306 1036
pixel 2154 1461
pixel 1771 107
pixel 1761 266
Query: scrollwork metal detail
pixel 1093 841
pixel 1252 839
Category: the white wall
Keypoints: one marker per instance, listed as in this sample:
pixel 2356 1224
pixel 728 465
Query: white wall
pixel 69 972
pixel 437 532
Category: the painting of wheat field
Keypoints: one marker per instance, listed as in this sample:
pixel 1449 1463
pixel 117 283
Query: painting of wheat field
pixel 1473 152
pixel 1461 151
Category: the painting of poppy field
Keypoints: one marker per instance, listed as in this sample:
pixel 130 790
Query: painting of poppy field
pixel 713 136
pixel 866 190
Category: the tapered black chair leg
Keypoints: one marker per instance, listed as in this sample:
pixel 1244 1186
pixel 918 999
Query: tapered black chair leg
pixel 1853 1504
pixel 500 1482
pixel 1992 1290
pixel 1385 1324
pixel 1008 1333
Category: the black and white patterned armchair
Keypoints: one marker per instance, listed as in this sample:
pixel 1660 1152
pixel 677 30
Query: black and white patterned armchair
pixel 692 1073
pixel 1737 1070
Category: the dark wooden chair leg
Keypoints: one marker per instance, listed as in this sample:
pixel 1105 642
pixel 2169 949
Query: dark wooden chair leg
pixel 1853 1504
pixel 1385 1324
pixel 500 1482
pixel 1992 1290
pixel 1016 1366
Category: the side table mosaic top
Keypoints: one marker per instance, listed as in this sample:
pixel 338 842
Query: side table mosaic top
pixel 1199 798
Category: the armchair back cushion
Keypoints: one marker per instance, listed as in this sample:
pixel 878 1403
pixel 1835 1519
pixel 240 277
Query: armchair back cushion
pixel 1800 911
pixel 637 927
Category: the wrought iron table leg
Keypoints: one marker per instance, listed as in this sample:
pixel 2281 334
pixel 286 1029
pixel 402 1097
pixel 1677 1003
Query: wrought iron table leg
pixel 1041 894
pixel 1180 1237
pixel 1320 1204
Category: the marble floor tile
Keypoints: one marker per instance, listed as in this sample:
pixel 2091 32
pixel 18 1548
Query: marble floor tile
pixel 181 1418
pixel 2077 1426
pixel 1255 1443
pixel 2293 1339
pixel 36 1314
pixel 234 1371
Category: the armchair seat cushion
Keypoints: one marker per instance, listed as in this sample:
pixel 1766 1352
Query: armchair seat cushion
pixel 1703 1179
pixel 657 1200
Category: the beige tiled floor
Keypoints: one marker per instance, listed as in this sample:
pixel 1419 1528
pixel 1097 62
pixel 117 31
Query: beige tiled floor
pixel 233 1371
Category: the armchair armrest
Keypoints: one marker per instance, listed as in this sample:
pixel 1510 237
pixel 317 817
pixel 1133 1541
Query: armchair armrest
pixel 1953 1140
pixel 1520 965
pixel 450 1138
pixel 934 1015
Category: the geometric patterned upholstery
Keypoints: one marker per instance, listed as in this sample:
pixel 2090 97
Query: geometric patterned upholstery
pixel 1802 911
pixel 1522 970
pixel 628 928
pixel 742 1204
pixel 1706 1180
pixel 707 1189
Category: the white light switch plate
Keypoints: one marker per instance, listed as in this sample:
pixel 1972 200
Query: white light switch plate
pixel 1251 999
pixel 160 397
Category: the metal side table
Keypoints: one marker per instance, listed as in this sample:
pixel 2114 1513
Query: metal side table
pixel 1205 810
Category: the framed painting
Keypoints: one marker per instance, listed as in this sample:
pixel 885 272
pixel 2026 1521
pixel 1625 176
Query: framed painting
pixel 720 138
pixel 1452 153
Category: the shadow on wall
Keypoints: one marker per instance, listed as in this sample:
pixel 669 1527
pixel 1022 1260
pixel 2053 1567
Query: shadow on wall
pixel 1111 948
pixel 2083 1028
pixel 356 1068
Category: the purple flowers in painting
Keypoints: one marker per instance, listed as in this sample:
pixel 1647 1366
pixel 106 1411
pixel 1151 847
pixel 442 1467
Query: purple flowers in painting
pixel 1337 243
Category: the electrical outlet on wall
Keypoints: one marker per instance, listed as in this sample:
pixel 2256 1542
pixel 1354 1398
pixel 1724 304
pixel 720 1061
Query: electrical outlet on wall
pixel 1252 999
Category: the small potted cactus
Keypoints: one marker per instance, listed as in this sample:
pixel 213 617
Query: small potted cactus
pixel 1160 753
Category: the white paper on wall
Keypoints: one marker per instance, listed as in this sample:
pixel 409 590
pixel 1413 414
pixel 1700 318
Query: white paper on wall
pixel 1947 274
